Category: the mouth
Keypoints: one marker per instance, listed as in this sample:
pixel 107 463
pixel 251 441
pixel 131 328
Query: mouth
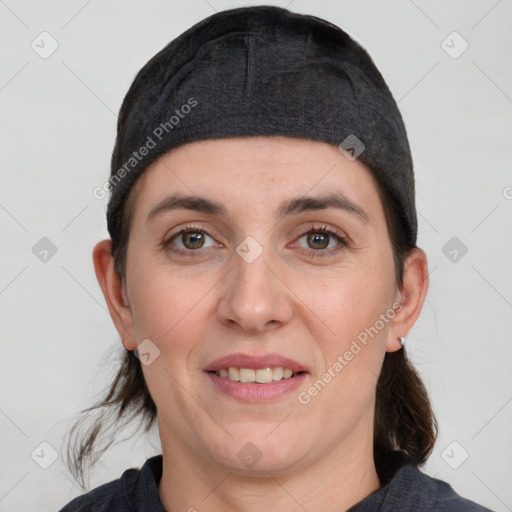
pixel 258 375
pixel 256 379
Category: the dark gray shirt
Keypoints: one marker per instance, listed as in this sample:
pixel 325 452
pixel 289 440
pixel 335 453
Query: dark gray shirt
pixel 409 490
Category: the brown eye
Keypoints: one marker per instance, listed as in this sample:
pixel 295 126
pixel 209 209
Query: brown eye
pixel 190 239
pixel 193 239
pixel 318 240
pixel 321 242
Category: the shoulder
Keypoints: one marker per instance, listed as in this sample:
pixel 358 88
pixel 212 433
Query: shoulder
pixel 109 497
pixel 123 494
pixel 416 491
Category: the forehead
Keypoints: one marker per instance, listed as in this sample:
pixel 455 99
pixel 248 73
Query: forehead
pixel 249 173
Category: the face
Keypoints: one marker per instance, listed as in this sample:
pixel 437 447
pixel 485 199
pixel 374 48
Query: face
pixel 267 256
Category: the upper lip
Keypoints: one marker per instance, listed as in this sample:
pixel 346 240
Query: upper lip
pixel 255 362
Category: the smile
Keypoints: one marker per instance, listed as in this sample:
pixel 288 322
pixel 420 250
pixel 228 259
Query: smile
pixel 260 375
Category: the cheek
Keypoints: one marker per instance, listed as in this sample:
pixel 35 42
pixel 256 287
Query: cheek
pixel 348 320
pixel 167 306
pixel 172 311
pixel 348 302
pixel 350 342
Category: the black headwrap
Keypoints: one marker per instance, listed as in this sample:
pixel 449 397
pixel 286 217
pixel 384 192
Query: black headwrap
pixel 263 71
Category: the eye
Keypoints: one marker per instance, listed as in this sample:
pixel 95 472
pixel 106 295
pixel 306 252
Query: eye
pixel 190 239
pixel 321 241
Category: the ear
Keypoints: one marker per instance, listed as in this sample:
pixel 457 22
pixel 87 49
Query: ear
pixel 113 288
pixel 411 297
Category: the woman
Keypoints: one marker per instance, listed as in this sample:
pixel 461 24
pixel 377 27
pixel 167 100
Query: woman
pixel 262 274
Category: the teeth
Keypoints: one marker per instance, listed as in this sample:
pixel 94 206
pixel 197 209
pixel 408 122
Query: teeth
pixel 278 373
pixel 264 375
pixel 261 375
pixel 247 375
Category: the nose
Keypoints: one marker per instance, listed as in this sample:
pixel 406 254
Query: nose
pixel 253 298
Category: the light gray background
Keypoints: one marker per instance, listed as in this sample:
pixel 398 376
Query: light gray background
pixel 58 127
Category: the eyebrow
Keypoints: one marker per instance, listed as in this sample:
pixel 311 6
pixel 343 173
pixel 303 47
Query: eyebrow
pixel 290 207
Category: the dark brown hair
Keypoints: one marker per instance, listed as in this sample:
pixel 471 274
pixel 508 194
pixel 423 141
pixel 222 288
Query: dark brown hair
pixel 405 427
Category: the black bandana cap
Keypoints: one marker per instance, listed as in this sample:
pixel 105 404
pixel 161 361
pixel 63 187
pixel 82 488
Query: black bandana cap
pixel 263 70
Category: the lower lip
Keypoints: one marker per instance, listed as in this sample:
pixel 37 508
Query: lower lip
pixel 254 392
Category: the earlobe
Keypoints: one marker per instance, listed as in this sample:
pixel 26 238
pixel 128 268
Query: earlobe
pixel 411 297
pixel 114 292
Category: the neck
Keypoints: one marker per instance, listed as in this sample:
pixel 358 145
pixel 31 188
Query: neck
pixel 335 482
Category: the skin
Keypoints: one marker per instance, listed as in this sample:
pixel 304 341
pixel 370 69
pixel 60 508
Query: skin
pixel 195 309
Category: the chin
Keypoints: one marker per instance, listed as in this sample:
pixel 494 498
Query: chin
pixel 251 454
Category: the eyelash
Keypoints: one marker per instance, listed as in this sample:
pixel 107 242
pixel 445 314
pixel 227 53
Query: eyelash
pixel 181 252
pixel 321 253
pixel 325 253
